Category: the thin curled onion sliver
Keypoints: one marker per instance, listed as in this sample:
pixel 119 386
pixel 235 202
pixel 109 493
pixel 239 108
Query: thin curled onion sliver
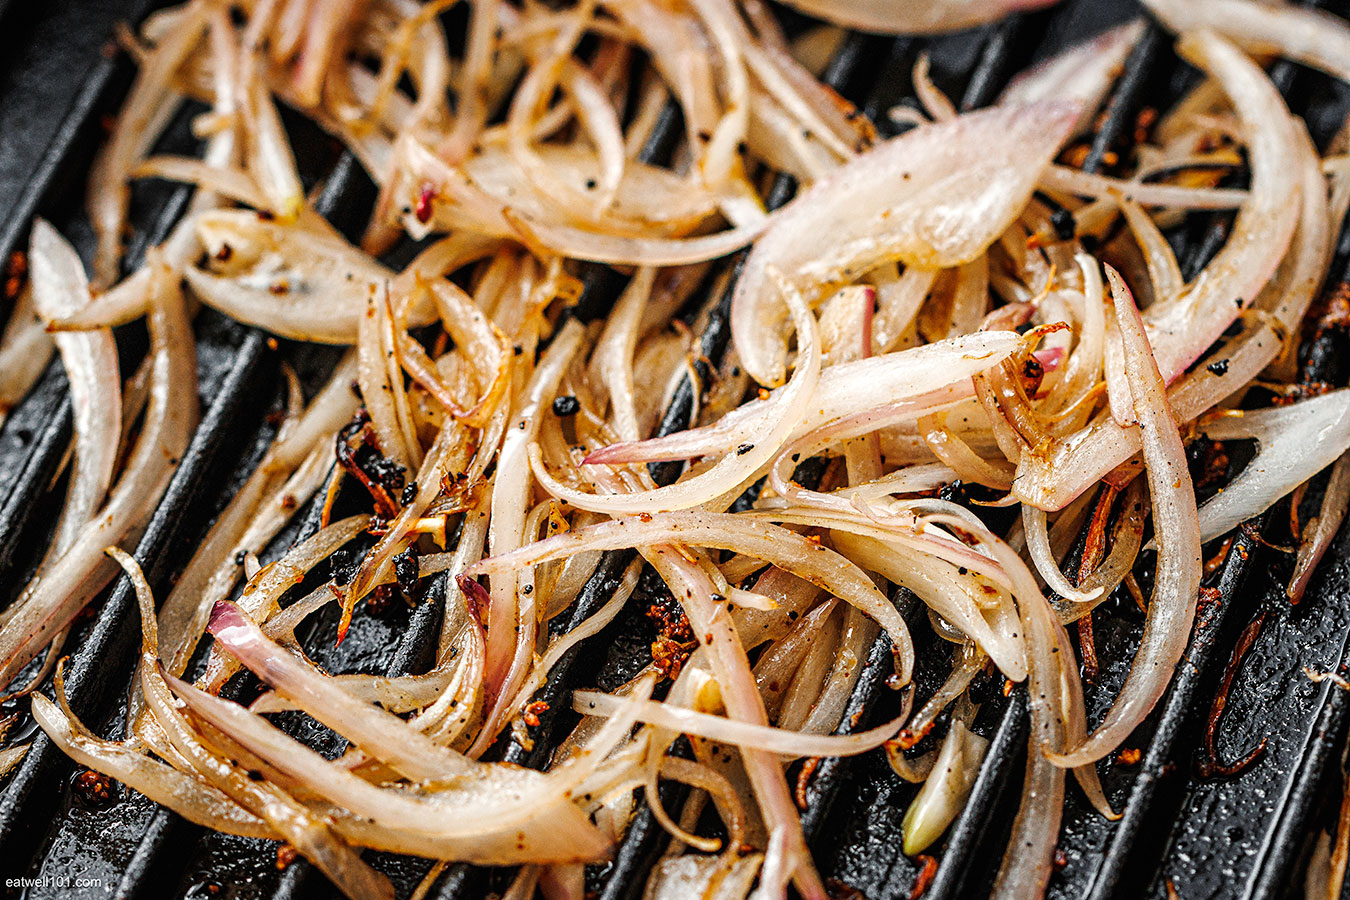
pixel 786 549
pixel 897 17
pixel 741 734
pixel 936 196
pixel 779 416
pixel 1176 588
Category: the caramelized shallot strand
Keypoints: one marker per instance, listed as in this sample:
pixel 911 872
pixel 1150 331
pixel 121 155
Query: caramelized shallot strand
pixel 1171 611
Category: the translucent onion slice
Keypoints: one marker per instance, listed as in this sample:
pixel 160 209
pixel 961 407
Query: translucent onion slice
pixel 708 877
pixel 379 733
pixel 511 499
pixel 1038 545
pixel 1184 327
pixel 184 794
pixel 245 524
pixel 948 592
pixel 311 834
pixel 172 411
pixel 1295 443
pixel 294 283
pixel 843 390
pixel 60 288
pixel 491 193
pixel 1171 610
pixel 791 744
pixel 778 416
pixel 143 116
pixel 459 821
pixel 481 342
pixel 25 348
pixel 690 579
pixel 896 17
pixel 1311 36
pixel 612 359
pixel 804 558
pixel 1321 529
pixel 1092 185
pixel 1054 476
pixel 945 790
pixel 937 196
pixel 1181 328
pixel 1084 72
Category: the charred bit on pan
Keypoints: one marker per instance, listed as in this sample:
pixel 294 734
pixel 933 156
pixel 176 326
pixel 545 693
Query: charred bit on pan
pixel 406 572
pixel 381 476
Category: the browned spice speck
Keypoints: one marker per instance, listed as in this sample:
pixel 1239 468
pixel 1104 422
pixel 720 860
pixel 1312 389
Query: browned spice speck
pixel 926 875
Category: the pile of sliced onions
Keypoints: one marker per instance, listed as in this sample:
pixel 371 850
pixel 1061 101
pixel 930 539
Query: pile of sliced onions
pixel 920 314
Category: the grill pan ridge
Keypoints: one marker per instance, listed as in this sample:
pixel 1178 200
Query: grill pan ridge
pixel 1182 834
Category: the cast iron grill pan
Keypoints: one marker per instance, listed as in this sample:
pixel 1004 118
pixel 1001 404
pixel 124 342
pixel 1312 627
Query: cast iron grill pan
pixel 1244 836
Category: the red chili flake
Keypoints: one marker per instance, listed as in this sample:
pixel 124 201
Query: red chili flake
pixel 1061 859
pixel 1129 756
pixel 16 274
pixel 927 872
pixel 1209 600
pixel 286 855
pixel 808 770
pixel 422 211
pixel 532 711
pixel 1289 394
pixel 1143 124
pixel 94 787
pixel 1076 156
